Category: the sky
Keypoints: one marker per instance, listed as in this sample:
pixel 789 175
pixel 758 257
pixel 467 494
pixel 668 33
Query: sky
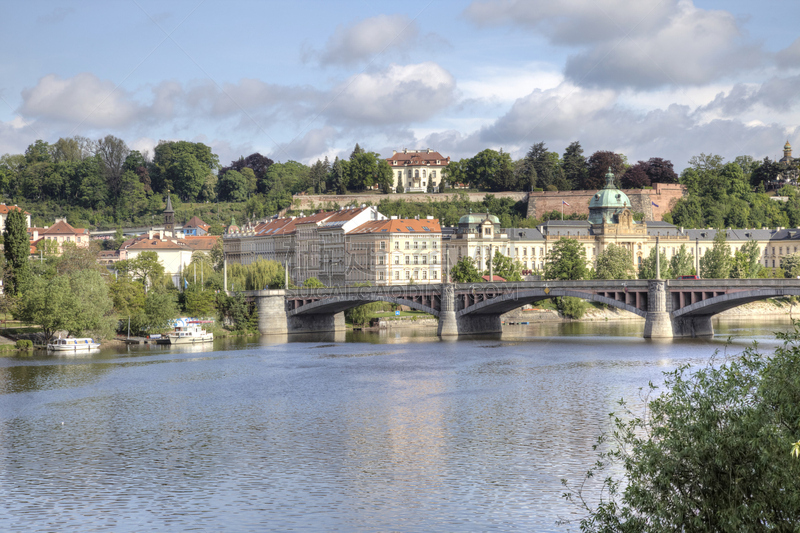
pixel 303 80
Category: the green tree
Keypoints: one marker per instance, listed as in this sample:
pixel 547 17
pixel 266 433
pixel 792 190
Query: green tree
pixel 465 271
pixel 199 302
pixel 78 303
pixel 615 262
pixel 711 453
pixel 17 249
pixel 313 283
pixel 566 260
pixel 746 261
pixel 791 265
pixel 160 308
pixel 146 267
pixel 716 263
pixel 233 187
pixel 647 268
pixel 481 170
pixel 574 165
pixel 505 267
pixel 682 263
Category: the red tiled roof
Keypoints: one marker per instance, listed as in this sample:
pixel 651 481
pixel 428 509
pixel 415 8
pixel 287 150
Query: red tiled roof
pixel 494 278
pixel 418 157
pixel 195 222
pixel 315 218
pixel 344 215
pixel 204 242
pixel 4 209
pixel 401 225
pixel 62 228
pixel 157 244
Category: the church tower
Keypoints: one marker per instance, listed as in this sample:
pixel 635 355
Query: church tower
pixel 169 217
pixel 787 151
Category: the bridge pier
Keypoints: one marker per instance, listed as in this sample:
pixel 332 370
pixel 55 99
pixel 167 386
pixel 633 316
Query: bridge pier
pixel 317 323
pixel 657 323
pixel 272 312
pixel 448 323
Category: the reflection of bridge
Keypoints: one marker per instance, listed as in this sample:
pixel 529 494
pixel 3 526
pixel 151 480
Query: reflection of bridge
pixel 671 308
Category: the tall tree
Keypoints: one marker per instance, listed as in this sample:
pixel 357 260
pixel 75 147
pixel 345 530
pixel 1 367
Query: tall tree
pixel 465 271
pixel 507 268
pixel 682 263
pixel 661 171
pixel 357 150
pixel 576 169
pixel 566 260
pixel 716 263
pixel 17 249
pixel 647 268
pixel 636 177
pixel 113 153
pixel 481 170
pixel 547 167
pixel 599 164
pixel 615 262
pixel 746 261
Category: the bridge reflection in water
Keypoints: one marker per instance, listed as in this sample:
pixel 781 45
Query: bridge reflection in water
pixel 671 308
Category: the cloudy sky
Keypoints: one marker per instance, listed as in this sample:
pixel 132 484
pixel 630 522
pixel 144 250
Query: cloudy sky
pixel 305 79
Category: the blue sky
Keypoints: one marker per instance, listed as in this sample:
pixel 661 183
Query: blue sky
pixel 308 79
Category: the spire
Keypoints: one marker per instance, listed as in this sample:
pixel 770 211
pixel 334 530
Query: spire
pixel 169 209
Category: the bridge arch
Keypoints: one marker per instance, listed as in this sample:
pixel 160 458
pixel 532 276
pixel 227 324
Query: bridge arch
pixel 513 300
pixel 336 304
pixel 718 304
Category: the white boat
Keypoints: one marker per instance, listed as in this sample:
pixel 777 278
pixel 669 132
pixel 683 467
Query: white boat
pixel 191 333
pixel 71 344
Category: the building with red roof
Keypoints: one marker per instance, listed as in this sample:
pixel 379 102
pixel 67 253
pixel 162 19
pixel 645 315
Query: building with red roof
pixel 415 169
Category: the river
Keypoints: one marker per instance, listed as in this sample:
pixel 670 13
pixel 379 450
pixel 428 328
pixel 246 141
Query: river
pixel 390 431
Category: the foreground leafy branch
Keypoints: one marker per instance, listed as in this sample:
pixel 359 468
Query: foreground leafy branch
pixel 712 452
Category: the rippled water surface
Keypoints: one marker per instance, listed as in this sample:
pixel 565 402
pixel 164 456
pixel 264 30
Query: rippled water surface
pixel 390 432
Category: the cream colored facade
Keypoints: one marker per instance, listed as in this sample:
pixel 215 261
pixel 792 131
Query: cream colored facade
pixel 395 252
pixel 414 169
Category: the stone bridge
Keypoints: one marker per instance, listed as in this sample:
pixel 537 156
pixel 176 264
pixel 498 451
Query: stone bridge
pixel 671 308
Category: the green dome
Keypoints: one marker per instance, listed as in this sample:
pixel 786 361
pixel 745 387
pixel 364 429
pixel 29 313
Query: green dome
pixel 607 202
pixel 477 218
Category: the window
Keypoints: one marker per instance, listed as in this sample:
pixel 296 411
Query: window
pixel 397 260
pixel 396 245
pixel 424 245
pixel 408 245
pixel 383 245
pixel 435 274
pixel 408 259
pixel 397 275
pixel 416 274
pixel 435 260
pixel 435 244
pixel 380 260
pixel 380 276
pixel 424 274
pixel 416 259
pixel 423 173
pixel 408 274
pixel 424 260
pixel 433 174
pixel 416 245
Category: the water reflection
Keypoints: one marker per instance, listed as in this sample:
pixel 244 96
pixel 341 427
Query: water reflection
pixel 393 430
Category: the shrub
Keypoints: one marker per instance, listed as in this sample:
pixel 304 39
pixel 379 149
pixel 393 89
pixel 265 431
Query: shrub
pixel 572 307
pixel 400 189
pixel 24 344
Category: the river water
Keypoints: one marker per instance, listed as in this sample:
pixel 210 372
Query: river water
pixel 395 431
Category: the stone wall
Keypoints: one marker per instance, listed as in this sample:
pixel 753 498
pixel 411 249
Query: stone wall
pixel 319 201
pixel 664 195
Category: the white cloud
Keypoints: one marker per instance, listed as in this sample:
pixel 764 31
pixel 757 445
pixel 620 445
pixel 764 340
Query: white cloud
pixel 400 94
pixel 574 22
pixel 82 99
pixel 645 44
pixel 364 39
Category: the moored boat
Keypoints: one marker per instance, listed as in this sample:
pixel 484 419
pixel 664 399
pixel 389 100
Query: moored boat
pixel 192 332
pixel 72 344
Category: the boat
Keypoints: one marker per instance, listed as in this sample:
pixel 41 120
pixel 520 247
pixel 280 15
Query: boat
pixel 192 332
pixel 72 344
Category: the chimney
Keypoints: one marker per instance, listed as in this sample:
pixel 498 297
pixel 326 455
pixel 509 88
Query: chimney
pixel 150 234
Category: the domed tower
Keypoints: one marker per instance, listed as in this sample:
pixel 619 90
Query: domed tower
pixel 787 153
pixel 608 203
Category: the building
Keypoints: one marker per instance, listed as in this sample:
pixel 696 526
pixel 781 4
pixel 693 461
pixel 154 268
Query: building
pixel 312 246
pixel 4 209
pixel 395 252
pixel 59 233
pixel 415 169
pixel 195 227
